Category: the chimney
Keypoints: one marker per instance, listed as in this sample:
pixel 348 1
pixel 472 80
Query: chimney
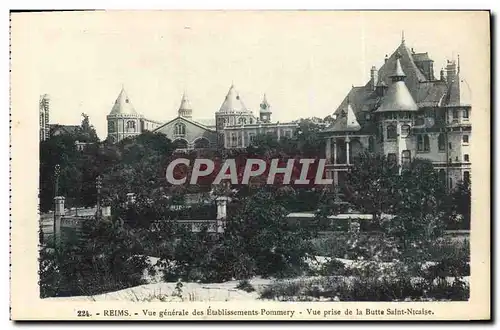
pixel 58 214
pixel 373 77
pixel 386 58
pixel 451 71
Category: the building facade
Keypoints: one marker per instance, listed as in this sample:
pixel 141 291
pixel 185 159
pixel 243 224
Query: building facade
pixel 124 121
pixel 44 110
pixel 233 126
pixel 404 112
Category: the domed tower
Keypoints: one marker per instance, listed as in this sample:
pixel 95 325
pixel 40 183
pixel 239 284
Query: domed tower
pixel 395 117
pixel 185 109
pixel 123 120
pixel 231 113
pixel 265 111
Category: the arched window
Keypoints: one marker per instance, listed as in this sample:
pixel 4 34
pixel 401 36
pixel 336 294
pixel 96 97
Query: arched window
pixel 405 130
pixel 180 129
pixel 251 121
pixel 441 142
pixel 201 143
pixel 391 132
pixel 427 146
pixel 131 126
pixel 450 183
pixel 405 157
pixel 371 144
pixel 180 144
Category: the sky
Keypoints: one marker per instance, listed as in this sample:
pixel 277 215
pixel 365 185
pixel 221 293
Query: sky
pixel 305 61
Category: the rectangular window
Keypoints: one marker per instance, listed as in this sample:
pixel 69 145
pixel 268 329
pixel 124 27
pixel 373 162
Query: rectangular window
pixel 392 158
pixel 405 157
pixel 465 139
pixel 420 143
pixel 234 140
pixel 455 114
pixel 465 113
pixel 466 158
pixel 449 145
pixel 466 176
pixel 251 136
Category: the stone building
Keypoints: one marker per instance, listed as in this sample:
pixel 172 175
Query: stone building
pixel 404 112
pixel 44 110
pixel 233 126
pixel 124 121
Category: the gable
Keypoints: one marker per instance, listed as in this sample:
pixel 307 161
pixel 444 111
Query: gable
pixel 191 132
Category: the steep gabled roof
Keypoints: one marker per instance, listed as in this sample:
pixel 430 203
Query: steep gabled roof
pixel 413 74
pixel 459 92
pixel 122 105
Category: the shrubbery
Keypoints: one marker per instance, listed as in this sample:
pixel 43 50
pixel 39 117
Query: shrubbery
pixel 104 260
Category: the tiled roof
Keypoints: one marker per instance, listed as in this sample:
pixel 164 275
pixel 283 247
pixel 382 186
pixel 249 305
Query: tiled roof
pixel 424 93
pixel 421 57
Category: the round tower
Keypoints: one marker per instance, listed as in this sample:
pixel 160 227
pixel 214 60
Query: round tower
pixel 395 117
pixel 123 120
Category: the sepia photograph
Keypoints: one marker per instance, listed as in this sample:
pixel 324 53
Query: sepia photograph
pixel 224 164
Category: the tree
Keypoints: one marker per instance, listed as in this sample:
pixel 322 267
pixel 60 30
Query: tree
pixel 371 184
pixel 262 233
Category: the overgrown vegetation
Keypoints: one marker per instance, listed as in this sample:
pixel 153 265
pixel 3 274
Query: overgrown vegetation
pixel 400 257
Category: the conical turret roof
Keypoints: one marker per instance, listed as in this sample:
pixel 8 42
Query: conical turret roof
pixel 264 105
pixel 346 121
pixel 232 102
pixel 122 105
pixel 185 104
pixel 398 97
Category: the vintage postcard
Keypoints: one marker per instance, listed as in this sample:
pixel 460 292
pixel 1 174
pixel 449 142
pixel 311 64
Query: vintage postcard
pixel 250 165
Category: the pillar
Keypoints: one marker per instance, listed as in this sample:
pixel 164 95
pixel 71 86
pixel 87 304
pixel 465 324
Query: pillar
pixel 221 213
pixel 59 212
pixel 334 152
pixel 328 150
pixel 347 143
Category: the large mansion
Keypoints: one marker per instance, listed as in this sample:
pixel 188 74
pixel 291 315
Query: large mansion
pixel 404 112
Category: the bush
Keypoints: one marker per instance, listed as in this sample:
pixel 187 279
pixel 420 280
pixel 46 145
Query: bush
pixel 333 267
pixel 337 288
pixel 245 286
pixel 106 260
